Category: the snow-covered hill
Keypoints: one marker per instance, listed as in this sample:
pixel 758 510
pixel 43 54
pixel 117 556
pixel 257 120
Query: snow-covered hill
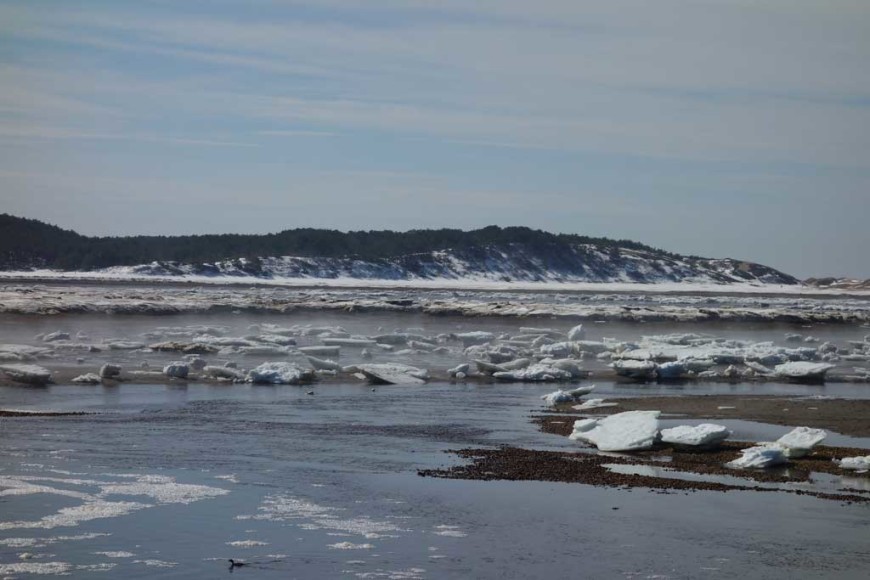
pixel 505 263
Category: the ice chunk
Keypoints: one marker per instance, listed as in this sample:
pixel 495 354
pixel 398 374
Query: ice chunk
pixel 489 368
pixel 535 374
pixel 463 368
pixel 671 371
pixel 594 404
pixel 224 372
pixel 280 373
pixel 110 371
pixel 857 463
pixel 577 333
pixel 476 337
pixel 561 396
pixel 759 457
pixel 802 370
pixel 394 373
pixel 801 440
pixel 640 370
pixel 177 370
pixel 87 379
pixel 703 435
pixel 351 342
pixel 29 374
pixel 629 431
pixel 566 364
pixel 323 364
pixel 330 351
pixel 58 335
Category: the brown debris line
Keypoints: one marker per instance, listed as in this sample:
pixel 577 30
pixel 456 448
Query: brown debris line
pixel 516 464
pixel 4 413
pixel 845 416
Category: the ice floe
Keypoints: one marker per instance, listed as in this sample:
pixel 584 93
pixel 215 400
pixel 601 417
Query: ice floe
pixel 802 370
pixel 801 440
pixel 560 396
pixel 27 373
pixel 628 431
pixel 857 463
pixel 394 373
pixel 704 435
pixel 280 373
pixel 760 457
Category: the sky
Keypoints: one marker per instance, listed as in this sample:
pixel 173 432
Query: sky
pixel 721 128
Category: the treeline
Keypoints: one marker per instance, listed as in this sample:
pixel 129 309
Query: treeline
pixel 27 243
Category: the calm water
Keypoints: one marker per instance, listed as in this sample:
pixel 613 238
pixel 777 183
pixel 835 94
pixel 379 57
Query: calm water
pixel 172 481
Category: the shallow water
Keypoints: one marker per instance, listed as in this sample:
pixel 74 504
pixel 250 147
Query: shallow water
pixel 176 479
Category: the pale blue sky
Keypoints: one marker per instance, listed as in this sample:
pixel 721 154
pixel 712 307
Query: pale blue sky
pixel 715 127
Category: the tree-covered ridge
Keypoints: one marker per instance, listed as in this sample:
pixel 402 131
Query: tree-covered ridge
pixel 27 243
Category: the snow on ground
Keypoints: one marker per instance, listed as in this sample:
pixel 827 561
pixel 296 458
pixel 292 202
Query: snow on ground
pixel 124 274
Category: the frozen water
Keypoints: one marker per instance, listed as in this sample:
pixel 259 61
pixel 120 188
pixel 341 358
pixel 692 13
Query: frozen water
pixel 279 373
pixel 759 457
pixel 703 435
pixel 629 431
pixel 801 440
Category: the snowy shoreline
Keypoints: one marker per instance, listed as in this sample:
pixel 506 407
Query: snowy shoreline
pixel 464 284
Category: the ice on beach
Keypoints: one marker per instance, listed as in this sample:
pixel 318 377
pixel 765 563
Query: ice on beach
pixel 577 333
pixel 670 371
pixel 566 364
pixel 857 463
pixel 57 335
pixel 87 379
pixel 801 440
pixel 635 369
pixel 28 374
pixel 703 435
pixel 177 370
pixel 594 404
pixel 323 364
pixel 279 373
pixel 350 342
pixel 320 351
pixel 629 431
pixel 459 369
pixel 394 374
pixel 760 457
pixel 476 337
pixel 109 371
pixel 536 373
pixel 561 396
pixel 802 370
pixel 22 352
pixel 225 373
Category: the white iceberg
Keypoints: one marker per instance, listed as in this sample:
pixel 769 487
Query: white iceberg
pixel 279 373
pixel 475 337
pixel 323 364
pixel 629 431
pixel 561 396
pixel 801 440
pixel 577 333
pixel 759 457
pixel 225 373
pixel 537 373
pixel 87 379
pixel 394 374
pixel 857 463
pixel 29 374
pixel 640 370
pixel 703 435
pixel 177 370
pixel 594 404
pixel 802 370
